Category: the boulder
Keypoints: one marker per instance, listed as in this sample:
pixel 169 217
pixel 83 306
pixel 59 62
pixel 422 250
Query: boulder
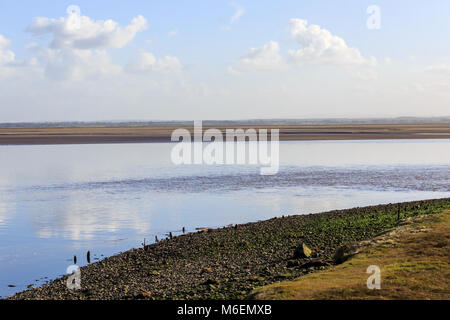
pixel 302 251
pixel 340 256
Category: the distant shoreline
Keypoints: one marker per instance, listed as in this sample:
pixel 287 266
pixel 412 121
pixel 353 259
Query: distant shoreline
pixel 161 134
pixel 404 120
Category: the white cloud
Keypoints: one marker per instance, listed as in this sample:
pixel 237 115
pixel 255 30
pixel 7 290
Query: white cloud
pixel 72 64
pixel 87 34
pixel 319 46
pixel 173 33
pixel 266 57
pixel 10 66
pixel 239 12
pixel 235 17
pixel 428 87
pixel 366 75
pixel 439 69
pixel 232 71
pixel 147 62
pixel 168 64
pixel 6 56
pixel 81 53
pixel 77 49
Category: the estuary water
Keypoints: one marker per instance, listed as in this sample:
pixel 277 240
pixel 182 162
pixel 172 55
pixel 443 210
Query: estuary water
pixel 60 201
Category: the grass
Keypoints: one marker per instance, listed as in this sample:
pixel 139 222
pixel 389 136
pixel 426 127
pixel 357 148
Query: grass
pixel 414 260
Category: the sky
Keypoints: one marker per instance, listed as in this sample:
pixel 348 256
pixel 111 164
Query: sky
pixel 201 60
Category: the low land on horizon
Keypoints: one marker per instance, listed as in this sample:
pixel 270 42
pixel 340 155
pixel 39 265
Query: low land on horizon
pixel 162 133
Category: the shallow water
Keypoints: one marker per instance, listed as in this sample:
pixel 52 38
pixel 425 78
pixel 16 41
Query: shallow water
pixel 60 201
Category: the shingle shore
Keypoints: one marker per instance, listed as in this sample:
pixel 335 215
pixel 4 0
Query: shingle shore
pixel 229 262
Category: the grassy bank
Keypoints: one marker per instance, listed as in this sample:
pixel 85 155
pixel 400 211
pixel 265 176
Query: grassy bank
pixel 414 260
pixel 229 263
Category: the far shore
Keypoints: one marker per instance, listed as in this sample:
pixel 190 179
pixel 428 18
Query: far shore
pixel 159 134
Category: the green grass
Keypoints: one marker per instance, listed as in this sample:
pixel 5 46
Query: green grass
pixel 414 262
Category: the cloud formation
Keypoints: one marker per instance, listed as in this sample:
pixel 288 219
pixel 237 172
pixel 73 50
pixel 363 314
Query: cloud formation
pixel 318 47
pixel 235 17
pixel 76 65
pixel 443 69
pixel 173 33
pixel 147 62
pixel 78 48
pixel 321 47
pixel 85 34
pixel 239 12
pixel 266 57
pixel 9 65
pixel 6 56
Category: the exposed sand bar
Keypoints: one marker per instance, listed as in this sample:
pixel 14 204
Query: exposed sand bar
pixel 148 134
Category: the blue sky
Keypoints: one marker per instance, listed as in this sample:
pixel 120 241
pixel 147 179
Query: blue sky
pixel 411 25
pixel 217 73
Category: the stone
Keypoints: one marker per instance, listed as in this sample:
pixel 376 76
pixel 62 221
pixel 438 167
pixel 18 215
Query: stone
pixel 302 251
pixel 339 256
pixel 206 270
pixel 211 282
pixel 144 295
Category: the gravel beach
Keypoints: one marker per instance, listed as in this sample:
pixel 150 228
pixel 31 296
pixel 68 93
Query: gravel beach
pixel 228 263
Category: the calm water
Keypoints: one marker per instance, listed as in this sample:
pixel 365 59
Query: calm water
pixel 60 201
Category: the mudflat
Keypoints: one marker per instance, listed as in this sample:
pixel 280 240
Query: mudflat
pixel 148 134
